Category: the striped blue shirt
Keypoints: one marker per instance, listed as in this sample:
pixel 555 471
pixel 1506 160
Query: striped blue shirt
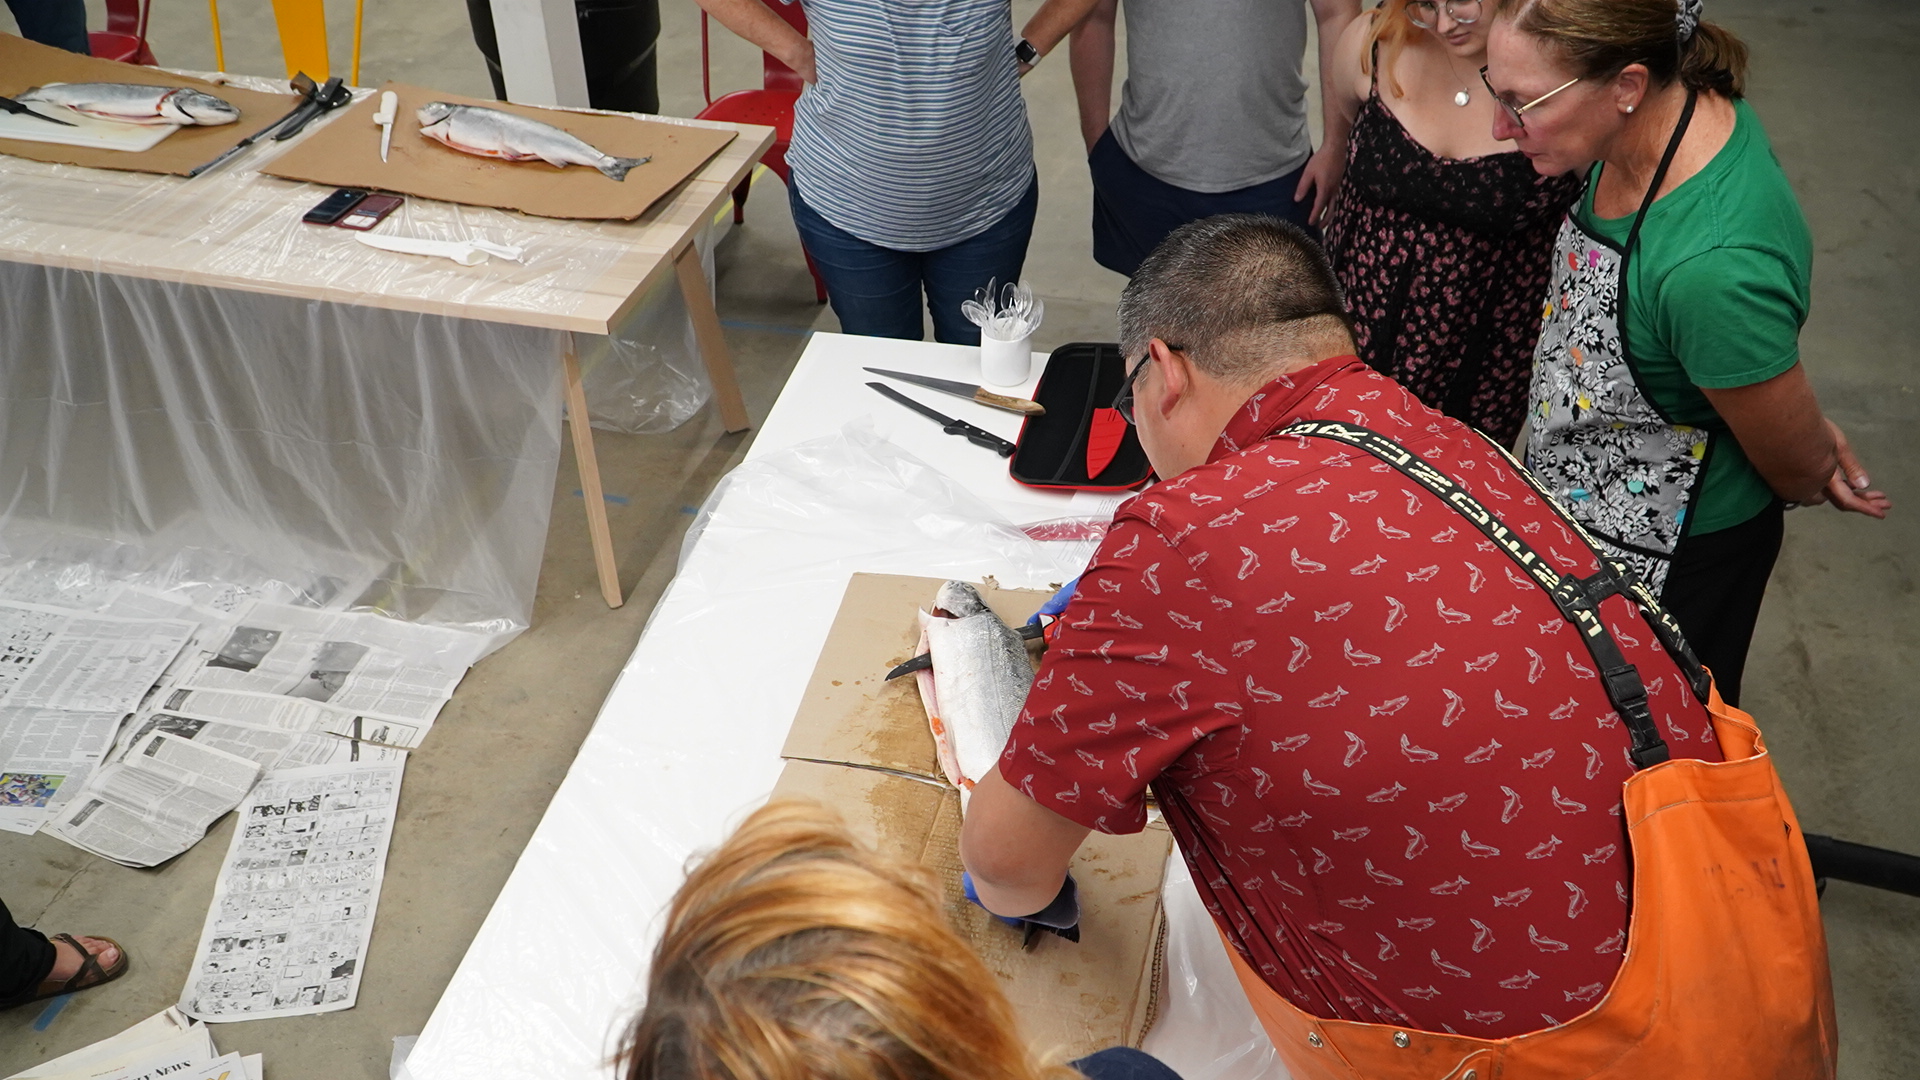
pixel 915 137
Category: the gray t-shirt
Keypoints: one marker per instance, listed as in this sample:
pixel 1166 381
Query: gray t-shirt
pixel 1214 98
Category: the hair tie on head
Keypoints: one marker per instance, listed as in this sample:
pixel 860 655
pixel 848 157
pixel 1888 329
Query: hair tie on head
pixel 1686 19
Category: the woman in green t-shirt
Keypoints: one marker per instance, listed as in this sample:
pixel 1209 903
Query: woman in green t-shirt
pixel 1669 411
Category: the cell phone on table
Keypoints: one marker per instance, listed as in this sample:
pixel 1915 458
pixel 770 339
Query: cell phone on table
pixel 334 207
pixel 370 211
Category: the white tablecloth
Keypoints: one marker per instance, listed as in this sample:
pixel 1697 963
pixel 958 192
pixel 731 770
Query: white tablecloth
pixel 839 480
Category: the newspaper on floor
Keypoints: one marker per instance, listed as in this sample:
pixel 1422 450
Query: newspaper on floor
pixel 51 658
pixel 166 1024
pixel 365 664
pixel 156 801
pixel 225 1067
pixel 164 1052
pixel 294 905
pixel 295 738
pixel 291 714
pixel 46 755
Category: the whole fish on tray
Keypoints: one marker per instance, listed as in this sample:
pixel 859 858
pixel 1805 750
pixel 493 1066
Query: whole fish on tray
pixel 137 103
pixel 977 685
pixel 493 133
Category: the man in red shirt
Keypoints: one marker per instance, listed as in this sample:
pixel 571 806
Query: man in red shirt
pixel 1384 751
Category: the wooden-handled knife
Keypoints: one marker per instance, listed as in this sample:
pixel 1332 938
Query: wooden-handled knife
pixel 970 391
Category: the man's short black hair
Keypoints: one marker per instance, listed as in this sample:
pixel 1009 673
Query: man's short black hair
pixel 1236 293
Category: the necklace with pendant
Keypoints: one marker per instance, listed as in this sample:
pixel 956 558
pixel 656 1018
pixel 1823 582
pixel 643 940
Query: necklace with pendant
pixel 1460 97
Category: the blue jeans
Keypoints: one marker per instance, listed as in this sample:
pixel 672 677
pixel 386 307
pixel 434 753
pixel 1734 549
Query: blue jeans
pixel 1123 1063
pixel 60 23
pixel 876 290
pixel 1133 210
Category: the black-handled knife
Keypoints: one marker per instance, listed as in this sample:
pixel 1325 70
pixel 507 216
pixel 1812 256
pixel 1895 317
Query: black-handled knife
pixel 974 435
pixel 301 84
pixel 330 96
pixel 1025 632
pixel 13 106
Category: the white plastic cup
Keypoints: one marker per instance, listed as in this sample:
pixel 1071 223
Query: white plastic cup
pixel 1005 363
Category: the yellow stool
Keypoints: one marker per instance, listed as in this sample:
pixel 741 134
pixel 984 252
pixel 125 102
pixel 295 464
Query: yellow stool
pixel 303 37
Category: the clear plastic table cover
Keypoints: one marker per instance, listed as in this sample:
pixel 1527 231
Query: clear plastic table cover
pixel 689 742
pixel 155 423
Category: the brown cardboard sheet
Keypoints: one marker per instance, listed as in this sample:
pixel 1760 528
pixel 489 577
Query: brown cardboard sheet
pixel 862 747
pixel 851 713
pixel 25 64
pixel 346 153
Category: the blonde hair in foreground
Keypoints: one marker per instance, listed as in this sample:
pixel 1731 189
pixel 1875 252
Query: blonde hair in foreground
pixel 794 952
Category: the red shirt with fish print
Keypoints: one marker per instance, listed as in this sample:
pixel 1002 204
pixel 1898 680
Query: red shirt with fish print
pixel 1384 753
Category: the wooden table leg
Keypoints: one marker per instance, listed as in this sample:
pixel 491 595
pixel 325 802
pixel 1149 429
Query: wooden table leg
pixel 713 343
pixel 589 465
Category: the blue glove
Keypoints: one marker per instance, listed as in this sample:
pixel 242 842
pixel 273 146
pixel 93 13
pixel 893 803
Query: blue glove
pixel 1056 603
pixel 1061 917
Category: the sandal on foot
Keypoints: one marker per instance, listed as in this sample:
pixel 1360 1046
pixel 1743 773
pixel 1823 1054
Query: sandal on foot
pixel 91 974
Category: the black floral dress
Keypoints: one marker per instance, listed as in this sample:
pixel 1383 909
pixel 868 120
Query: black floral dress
pixel 1444 263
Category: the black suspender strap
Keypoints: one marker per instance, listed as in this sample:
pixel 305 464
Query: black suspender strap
pixel 1577 598
pixel 1626 583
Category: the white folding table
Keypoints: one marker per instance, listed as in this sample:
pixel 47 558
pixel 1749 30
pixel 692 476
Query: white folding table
pixel 689 739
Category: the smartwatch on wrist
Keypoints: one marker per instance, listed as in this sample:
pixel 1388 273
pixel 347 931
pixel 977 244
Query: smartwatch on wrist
pixel 1024 52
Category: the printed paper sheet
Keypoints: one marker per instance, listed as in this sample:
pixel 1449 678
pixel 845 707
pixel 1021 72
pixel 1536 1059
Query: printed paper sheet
pixel 52 658
pixel 45 757
pixel 156 801
pixel 360 663
pixel 293 908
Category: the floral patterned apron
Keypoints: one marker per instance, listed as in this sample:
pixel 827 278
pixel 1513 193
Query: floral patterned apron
pixel 1617 463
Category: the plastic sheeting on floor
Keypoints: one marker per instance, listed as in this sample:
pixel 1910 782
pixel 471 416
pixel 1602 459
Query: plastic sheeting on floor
pixel 689 742
pixel 156 430
pixel 143 419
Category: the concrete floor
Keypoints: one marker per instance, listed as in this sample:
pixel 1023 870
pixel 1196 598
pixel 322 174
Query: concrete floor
pixel 1829 677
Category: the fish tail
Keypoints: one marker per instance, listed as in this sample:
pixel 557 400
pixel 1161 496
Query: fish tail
pixel 616 168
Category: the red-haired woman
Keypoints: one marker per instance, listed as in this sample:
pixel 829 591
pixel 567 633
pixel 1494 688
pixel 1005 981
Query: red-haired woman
pixel 1440 233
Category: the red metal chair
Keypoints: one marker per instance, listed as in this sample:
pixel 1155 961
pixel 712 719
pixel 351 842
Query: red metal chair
pixel 771 105
pixel 125 38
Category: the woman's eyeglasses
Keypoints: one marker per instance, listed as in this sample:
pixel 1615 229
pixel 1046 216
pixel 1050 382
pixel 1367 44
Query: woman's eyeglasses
pixel 1425 14
pixel 1518 113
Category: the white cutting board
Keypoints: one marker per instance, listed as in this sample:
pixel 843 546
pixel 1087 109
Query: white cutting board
pixel 87 131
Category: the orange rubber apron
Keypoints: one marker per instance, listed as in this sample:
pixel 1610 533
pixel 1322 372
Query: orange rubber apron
pixel 1725 972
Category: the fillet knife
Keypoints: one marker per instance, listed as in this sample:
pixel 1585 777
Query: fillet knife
pixel 302 85
pixel 969 391
pixel 975 435
pixel 13 106
pixel 1026 632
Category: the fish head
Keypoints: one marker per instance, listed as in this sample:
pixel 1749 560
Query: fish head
pixel 959 599
pixel 433 112
pixel 204 109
